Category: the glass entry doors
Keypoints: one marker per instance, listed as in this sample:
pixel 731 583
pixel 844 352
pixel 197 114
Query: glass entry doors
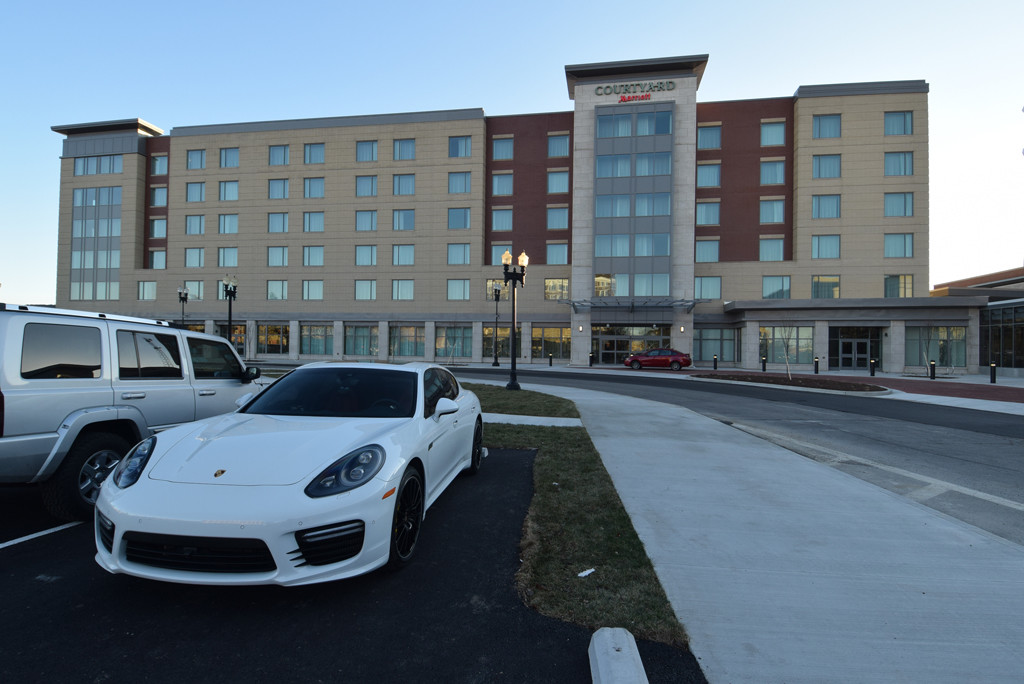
pixel 853 354
pixel 851 348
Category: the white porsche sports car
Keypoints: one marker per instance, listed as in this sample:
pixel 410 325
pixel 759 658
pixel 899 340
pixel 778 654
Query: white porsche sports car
pixel 326 474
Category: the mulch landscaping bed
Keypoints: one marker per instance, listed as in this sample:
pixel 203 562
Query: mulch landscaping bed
pixel 811 381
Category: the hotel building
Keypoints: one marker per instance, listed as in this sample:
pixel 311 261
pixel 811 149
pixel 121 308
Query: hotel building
pixel 778 229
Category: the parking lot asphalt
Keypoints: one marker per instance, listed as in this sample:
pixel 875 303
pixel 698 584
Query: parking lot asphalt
pixel 453 615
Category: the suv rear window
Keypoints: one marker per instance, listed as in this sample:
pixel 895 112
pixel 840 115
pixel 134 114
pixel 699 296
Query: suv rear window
pixel 51 352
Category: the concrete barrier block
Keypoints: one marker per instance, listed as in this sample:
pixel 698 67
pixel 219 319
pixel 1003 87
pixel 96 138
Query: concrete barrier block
pixel 614 658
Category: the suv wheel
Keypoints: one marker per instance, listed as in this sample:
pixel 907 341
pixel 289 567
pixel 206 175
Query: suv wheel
pixel 71 493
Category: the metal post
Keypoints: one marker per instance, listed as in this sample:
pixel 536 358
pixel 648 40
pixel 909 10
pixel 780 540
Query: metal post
pixel 992 373
pixel 513 383
pixel 815 365
pixel 591 359
pixel 871 364
pixel 931 373
pixel 764 364
pixel 716 361
pixel 515 277
pixel 497 296
pixel 551 360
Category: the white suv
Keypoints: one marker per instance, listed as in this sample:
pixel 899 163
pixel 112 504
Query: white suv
pixel 78 389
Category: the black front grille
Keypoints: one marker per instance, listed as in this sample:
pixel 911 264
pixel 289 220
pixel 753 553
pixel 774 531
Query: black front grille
pixel 329 544
pixel 198 554
pixel 105 529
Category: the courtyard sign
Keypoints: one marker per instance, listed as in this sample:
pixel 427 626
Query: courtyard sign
pixel 633 92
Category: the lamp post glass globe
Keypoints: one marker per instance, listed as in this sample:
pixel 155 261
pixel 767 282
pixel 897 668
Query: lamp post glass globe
pixel 514 277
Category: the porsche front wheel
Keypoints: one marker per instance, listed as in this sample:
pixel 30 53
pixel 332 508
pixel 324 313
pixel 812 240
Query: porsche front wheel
pixel 407 520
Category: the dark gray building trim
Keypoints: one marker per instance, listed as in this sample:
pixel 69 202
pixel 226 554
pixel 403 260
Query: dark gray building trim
pixel 870 88
pixel 333 122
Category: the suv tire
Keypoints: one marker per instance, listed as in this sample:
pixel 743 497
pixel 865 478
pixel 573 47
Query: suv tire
pixel 71 493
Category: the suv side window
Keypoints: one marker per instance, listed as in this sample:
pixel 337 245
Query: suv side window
pixel 147 355
pixel 213 359
pixel 49 352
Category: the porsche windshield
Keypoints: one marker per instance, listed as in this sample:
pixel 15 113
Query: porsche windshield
pixel 340 393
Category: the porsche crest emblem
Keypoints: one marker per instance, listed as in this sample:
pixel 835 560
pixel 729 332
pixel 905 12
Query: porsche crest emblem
pixel 219 473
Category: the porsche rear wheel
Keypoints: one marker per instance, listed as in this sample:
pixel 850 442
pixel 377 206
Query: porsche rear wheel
pixel 408 519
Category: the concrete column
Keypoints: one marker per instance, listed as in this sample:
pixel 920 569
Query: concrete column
pixel 339 339
pixel 294 340
pixel 429 336
pixel 382 340
pixel 579 348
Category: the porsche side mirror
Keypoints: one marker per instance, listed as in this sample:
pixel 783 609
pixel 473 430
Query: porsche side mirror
pixel 445 406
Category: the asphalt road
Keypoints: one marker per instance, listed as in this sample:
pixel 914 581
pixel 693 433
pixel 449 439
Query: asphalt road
pixel 451 616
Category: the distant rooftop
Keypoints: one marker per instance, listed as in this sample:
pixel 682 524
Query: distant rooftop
pixel 869 88
pixel 137 125
pixel 693 64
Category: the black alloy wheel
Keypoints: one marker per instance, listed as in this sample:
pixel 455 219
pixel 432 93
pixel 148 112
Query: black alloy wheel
pixel 477 455
pixel 408 519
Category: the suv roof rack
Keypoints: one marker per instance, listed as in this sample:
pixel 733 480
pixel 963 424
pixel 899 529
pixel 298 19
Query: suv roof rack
pixel 80 314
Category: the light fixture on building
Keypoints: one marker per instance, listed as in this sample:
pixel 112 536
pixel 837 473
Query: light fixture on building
pixel 514 276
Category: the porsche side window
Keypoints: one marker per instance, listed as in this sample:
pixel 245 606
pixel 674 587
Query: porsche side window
pixel 433 390
pixel 212 359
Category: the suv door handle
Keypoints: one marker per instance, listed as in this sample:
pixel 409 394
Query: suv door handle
pixel 133 395
pixel 207 392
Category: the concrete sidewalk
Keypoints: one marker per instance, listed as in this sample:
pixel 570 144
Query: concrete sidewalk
pixel 783 569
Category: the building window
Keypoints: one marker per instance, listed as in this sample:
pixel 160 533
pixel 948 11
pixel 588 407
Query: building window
pixel 452 341
pixel 458 254
pixel 496 252
pixel 158 259
pixel 195 192
pixel 366 151
pixel 402 289
pixel 277 223
pixel 711 342
pixel 313 255
pixel 147 290
pixel 195 289
pixel 195 225
pixel 104 164
pixel 277 188
pixel 405 149
pixel 558 182
pixel 366 255
pixel 651 244
pixel 899 245
pixel 403 255
pixel 313 188
pixel 899 204
pixel 773 133
pixel 787 344
pixel 825 287
pixel 709 137
pixel 709 175
pixel 361 340
pixel 158 197
pixel 502 149
pixel 899 286
pixel 899 123
pixel 825 247
pixel 403 184
pixel 558 218
pixel 458 219
pixel 366 220
pixel 316 339
pixel 158 228
pixel 772 172
pixel 827 166
pixel 366 290
pixel 227 257
pixel 158 165
pixel 558 146
pixel 271 338
pixel 460 146
pixel 501 220
pixel 614 125
pixel 228 191
pixel 277 256
pixel 313 289
pixel 229 157
pixel 825 206
pixel 366 186
pixel 707 287
pixel 458 289
pixel 195 257
pixel 458 182
pixel 651 284
pixel 611 206
pixel 558 253
pixel 827 126
pixel 775 287
pixel 313 153
pixel 406 340
pixel 556 288
pixel 771 249
pixel 403 219
pixel 611 245
pixel 899 163
pixel 612 166
pixel 945 345
pixel 654 204
pixel 278 155
pixel 611 285
pixel 195 159
pixel 277 289
pixel 501 184
pixel 708 213
pixel 706 252
pixel 227 224
pixel 654 164
pixel 654 123
pixel 313 222
pixel 772 211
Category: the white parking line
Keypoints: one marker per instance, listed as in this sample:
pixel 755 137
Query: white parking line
pixel 38 534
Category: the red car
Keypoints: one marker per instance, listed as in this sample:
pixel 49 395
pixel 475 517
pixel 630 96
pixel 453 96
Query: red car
pixel 659 358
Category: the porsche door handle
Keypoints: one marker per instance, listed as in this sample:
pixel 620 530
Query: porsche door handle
pixel 133 395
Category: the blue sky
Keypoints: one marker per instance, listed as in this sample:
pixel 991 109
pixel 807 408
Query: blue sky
pixel 189 63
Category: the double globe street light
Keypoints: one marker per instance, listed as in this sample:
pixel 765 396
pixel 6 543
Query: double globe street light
pixel 183 298
pixel 513 276
pixel 230 284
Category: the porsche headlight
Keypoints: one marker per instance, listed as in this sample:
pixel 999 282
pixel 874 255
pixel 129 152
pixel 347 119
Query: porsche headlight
pixel 348 472
pixel 130 467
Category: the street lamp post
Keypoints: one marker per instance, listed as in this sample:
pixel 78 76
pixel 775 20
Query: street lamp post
pixel 230 292
pixel 513 276
pixel 183 298
pixel 497 296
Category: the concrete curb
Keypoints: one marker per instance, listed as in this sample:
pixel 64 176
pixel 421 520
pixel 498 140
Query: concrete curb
pixel 614 658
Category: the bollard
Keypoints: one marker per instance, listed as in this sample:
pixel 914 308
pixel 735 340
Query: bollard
pixel 716 361
pixel 815 365
pixel 550 360
pixel 591 360
pixel 764 364
pixel 931 373
pixel 992 373
pixel 871 363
